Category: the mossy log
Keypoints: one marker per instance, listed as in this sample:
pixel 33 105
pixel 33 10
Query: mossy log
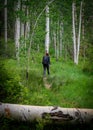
pixel 51 114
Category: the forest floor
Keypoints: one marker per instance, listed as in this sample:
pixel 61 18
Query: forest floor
pixel 46 83
pixel 68 85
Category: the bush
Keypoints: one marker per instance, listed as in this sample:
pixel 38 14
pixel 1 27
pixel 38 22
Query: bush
pixel 88 68
pixel 9 51
pixel 10 85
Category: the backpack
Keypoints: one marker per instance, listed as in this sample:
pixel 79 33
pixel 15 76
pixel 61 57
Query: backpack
pixel 45 60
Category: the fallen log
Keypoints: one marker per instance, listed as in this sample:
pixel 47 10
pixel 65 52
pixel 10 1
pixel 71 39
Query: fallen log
pixel 51 114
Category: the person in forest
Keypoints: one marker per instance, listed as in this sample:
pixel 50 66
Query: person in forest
pixel 46 63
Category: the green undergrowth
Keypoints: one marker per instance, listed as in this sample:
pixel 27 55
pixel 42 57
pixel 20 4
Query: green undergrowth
pixel 69 85
pixel 10 81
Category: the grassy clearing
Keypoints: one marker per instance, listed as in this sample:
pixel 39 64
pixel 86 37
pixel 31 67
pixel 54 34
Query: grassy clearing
pixel 70 86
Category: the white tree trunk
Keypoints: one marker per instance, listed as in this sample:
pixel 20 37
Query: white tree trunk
pixel 17 31
pixel 79 32
pixel 74 32
pixel 22 24
pixel 27 28
pixel 22 29
pixel 27 32
pixel 76 40
pixel 5 21
pixel 46 113
pixel 83 22
pixel 61 35
pixel 47 30
pixel 57 37
pixel 54 36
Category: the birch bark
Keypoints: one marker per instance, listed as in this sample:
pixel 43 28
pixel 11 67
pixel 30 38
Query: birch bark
pixel 47 113
pixel 17 31
pixel 23 8
pixel 55 46
pixel 61 35
pixel 79 32
pixel 76 40
pixel 74 32
pixel 27 32
pixel 47 40
pixel 57 37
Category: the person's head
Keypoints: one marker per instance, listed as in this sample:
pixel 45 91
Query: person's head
pixel 47 54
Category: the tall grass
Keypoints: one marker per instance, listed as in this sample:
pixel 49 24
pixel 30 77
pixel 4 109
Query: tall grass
pixel 70 86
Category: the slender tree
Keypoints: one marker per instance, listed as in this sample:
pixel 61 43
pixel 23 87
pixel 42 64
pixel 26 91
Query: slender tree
pixel 61 36
pixel 54 35
pixel 76 35
pixel 22 24
pixel 17 30
pixel 74 32
pixel 47 38
pixel 79 33
pixel 27 27
pixel 5 21
pixel 58 33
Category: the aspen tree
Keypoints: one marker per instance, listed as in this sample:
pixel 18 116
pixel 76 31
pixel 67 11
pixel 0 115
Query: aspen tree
pixel 76 35
pixel 52 114
pixel 47 38
pixel 5 22
pixel 17 30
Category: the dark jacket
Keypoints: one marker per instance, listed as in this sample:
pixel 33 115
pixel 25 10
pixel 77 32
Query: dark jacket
pixel 46 60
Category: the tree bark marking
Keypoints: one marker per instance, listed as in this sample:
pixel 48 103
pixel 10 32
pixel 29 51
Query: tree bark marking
pixel 7 112
pixel 52 114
